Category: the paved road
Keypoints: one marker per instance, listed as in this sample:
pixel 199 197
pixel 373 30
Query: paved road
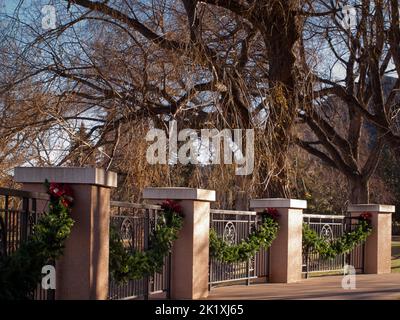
pixel 367 287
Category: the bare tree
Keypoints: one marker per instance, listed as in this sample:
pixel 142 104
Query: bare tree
pixel 353 102
pixel 114 64
pixel 116 61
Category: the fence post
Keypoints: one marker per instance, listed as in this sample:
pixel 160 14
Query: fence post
pixel 286 249
pixel 190 255
pixel 82 272
pixel 377 254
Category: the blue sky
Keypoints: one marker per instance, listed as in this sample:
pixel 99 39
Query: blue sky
pixel 10 5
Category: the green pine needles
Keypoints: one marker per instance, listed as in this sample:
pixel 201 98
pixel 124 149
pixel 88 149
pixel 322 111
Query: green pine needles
pixel 247 248
pixel 20 272
pixel 314 243
pixel 129 264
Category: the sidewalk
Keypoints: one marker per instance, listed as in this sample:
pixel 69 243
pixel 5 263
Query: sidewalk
pixel 385 286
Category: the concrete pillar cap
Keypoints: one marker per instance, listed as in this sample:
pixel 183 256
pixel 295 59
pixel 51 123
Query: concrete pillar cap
pixel 278 203
pixel 92 176
pixel 179 194
pixel 377 208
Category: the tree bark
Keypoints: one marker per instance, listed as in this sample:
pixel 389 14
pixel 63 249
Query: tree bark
pixel 282 34
pixel 358 190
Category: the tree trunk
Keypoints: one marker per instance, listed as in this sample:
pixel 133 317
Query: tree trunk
pixel 358 190
pixel 282 34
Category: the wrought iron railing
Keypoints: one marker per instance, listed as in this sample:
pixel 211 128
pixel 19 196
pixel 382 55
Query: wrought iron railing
pixel 135 222
pixel 331 227
pixel 233 226
pixel 19 212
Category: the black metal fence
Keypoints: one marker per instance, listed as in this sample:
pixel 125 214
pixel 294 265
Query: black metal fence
pixel 331 227
pixel 135 222
pixel 19 212
pixel 233 226
pixel 355 257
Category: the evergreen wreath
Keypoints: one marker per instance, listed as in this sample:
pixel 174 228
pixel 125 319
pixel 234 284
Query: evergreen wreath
pixel 314 243
pixel 262 237
pixel 130 264
pixel 20 272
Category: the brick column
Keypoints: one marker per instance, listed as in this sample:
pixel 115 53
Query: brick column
pixel 190 254
pixel 286 250
pixel 82 272
pixel 377 253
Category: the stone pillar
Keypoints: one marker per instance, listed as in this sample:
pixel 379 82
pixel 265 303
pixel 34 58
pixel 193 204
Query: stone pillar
pixel 286 250
pixel 377 253
pixel 82 271
pixel 190 254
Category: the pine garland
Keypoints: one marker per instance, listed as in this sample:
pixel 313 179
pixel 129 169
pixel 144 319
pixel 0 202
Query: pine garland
pixel 247 248
pixel 20 272
pixel 314 243
pixel 128 265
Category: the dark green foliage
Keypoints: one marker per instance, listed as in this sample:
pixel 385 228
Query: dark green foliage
pixel 247 248
pixel 131 264
pixel 20 272
pixel 312 242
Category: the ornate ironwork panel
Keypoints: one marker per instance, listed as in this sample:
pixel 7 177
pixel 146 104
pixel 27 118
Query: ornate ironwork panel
pixel 135 223
pixel 326 232
pixel 230 233
pixel 330 227
pixel 232 227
